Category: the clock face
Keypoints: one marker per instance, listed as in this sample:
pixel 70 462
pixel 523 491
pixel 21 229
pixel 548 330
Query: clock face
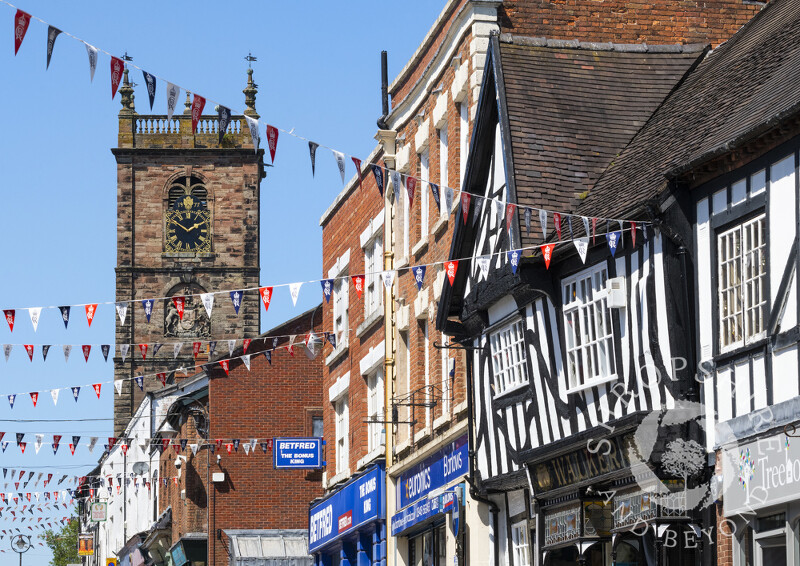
pixel 188 227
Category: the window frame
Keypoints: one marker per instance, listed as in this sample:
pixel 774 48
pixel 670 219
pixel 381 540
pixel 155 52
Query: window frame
pixel 463 139
pixel 375 408
pixel 739 225
pixel 520 551
pixel 341 407
pixel 373 263
pixel 516 324
pixel 341 309
pixel 585 312
pixel 424 177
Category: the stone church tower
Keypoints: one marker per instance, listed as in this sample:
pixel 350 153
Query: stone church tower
pixel 187 223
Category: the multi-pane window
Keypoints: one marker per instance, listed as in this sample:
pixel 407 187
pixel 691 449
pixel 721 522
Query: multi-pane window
pixel 742 261
pixel 463 144
pixel 587 327
pixel 446 389
pixel 508 357
pixel 375 408
pixel 424 175
pixel 342 431
pixel 340 310
pixel 406 221
pixel 373 261
pixel 519 544
pixel 443 155
pixel 426 334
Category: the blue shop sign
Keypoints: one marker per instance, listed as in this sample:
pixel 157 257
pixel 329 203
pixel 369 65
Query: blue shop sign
pixel 444 467
pixel 297 453
pixel 358 502
pixel 421 510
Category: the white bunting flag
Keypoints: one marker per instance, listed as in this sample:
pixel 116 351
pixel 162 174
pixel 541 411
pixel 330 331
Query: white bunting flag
pixel 7 350
pixel 54 395
pixel 92 442
pixel 483 264
pixel 38 443
pixel 339 162
pixel 35 312
pixel 118 386
pixel 388 278
pixel 231 347
pixel 193 448
pixel 122 311
pixel 253 444
pixel 176 350
pixel 294 289
pixel 479 204
pixel 92 51
pixel 173 91
pixel 246 361
pixel 252 125
pixel 543 222
pixel 123 350
pixel 246 447
pixel 448 200
pixel 396 182
pixel 585 225
pixel 208 302
pixel 582 245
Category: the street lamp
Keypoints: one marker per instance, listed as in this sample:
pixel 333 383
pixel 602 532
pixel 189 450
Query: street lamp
pixel 21 544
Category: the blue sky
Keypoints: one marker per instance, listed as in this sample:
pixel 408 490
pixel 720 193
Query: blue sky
pixel 318 70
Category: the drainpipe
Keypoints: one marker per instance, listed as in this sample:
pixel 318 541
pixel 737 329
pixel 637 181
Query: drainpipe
pixel 384 92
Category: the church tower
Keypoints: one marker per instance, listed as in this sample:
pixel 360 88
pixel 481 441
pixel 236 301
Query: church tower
pixel 187 223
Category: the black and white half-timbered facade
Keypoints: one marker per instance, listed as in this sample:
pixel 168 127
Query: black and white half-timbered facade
pixel 585 432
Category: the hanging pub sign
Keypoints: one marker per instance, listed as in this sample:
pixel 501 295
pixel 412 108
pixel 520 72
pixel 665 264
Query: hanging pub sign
pixel 297 453
pixel 98 511
pixel 85 544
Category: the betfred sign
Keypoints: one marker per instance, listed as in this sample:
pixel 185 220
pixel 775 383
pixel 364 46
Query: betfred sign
pixel 297 453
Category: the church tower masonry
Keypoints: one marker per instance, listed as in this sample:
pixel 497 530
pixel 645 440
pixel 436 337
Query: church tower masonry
pixel 187 223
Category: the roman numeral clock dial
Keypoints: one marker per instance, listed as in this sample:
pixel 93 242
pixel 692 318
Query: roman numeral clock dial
pixel 188 227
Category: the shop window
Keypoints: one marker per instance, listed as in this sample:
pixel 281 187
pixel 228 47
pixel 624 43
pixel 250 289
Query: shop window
pixel 519 544
pixel 375 408
pixel 587 328
pixel 509 361
pixel 742 271
pixel 428 548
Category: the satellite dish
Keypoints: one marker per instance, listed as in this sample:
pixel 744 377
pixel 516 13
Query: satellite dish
pixel 140 468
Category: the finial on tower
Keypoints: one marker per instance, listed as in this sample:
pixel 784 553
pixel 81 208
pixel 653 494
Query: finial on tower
pixel 126 94
pixel 187 106
pixel 251 90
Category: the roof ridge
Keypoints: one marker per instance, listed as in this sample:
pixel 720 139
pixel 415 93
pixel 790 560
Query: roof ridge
pixel 529 41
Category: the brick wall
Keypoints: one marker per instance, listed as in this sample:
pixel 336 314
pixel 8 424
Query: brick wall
pixel 627 21
pixel 267 401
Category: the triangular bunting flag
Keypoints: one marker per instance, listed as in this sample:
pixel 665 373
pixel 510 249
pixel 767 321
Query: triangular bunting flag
pixel 245 345
pixel 396 186
pixel 143 350
pixel 64 315
pixel 180 303
pixel 105 349
pixel 236 299
pixel 266 296
pixel 411 188
pixel 123 350
pixel 582 245
pixel 195 349
pixel 451 267
pixel 75 392
pixel 465 200
pixel 327 289
pixel 528 221
pixel 45 349
pixel 246 361
pixel 54 395
pixel 252 125
pixel 294 291
pixel 231 347
pixel 633 233
pixel 35 312
pixel 87 349
pixel 419 275
pixel 358 283
pixel 513 260
pixel 224 117
pixel 176 349
pixel 613 239
pixel 139 379
pixel 92 52
pixel 10 314
pixel 7 350
pixel 388 278
pixel 34 398
pixel 357 163
pixel 212 346
pixel 96 388
pixel 339 162
pixel 449 194
pixel 377 172
pixel 198 103
pixel 52 34
pixel 117 67
pixel 543 222
pixel 547 254
pixel 122 312
pixel 118 386
pixel 91 310
pixel 173 92
pixel 268 355
pixel 150 84
pixel 510 209
pixel 148 308
pixel 272 141
pixel 557 222
pixel 21 22
pixel 312 151
pixel 208 302
pixel 225 365
pixel 29 350
pixel 436 196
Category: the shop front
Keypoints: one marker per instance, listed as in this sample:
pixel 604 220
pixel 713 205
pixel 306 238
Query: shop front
pixel 761 499
pixel 427 494
pixel 348 527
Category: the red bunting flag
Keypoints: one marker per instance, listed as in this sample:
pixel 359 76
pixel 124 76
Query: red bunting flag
pixel 117 65
pixel 245 345
pixel 451 267
pixel 229 447
pixel 179 303
pixel 162 377
pixel 124 448
pixel 290 349
pixel 21 22
pixel 29 349
pixel 164 444
pixel 633 233
pixel 22 446
pixel 557 222
pixel 198 103
pixel 143 350
pixel 465 199
pixel 358 283
pixel 510 208
pixel 272 141
pixel 96 388
pixel 195 349
pixel 34 398
pixel 411 187
pixel 357 163
pixel 266 296
pixel 10 313
pixel 547 254
pixel 224 364
pixel 72 448
pixel 219 444
pixel 90 312
pixel 86 350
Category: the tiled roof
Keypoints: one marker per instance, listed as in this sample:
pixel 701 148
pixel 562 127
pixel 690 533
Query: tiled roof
pixel 740 91
pixel 572 108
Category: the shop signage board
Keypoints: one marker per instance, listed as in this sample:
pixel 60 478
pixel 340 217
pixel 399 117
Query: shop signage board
pixel 761 473
pixel 562 526
pixel 85 544
pixel 98 511
pixel 358 502
pixel 443 467
pixel 633 509
pixel 424 509
pixel 297 453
